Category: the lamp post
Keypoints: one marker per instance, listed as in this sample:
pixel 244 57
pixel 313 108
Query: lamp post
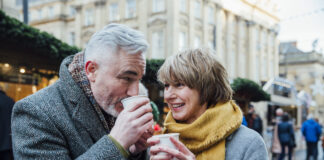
pixel 25 10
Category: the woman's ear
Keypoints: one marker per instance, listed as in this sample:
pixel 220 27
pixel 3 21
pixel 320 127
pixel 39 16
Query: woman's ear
pixel 91 68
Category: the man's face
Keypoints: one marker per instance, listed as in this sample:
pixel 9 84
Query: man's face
pixel 119 78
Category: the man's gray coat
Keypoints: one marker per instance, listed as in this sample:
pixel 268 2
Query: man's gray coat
pixel 59 122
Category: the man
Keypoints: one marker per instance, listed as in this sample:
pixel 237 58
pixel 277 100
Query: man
pixel 75 117
pixel 312 132
pixel 6 104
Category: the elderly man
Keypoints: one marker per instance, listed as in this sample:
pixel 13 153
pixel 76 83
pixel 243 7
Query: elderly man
pixel 75 118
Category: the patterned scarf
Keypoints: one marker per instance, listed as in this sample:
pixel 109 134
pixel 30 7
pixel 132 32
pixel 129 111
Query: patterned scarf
pixel 77 70
pixel 206 136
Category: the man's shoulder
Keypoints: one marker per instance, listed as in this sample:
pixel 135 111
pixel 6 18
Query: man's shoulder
pixel 43 99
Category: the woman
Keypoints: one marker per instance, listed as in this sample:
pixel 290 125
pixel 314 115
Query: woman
pixel 286 136
pixel 199 95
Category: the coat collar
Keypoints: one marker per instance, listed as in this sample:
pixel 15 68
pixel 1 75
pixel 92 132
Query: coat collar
pixel 81 110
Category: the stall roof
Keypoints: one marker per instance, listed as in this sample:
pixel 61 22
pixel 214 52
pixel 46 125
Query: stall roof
pixel 26 46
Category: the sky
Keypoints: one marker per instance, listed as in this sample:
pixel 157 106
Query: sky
pixel 302 21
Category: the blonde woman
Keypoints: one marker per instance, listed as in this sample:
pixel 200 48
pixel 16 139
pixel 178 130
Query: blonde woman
pixel 199 96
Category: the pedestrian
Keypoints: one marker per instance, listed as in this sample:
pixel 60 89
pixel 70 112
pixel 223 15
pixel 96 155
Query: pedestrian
pixel 254 121
pixel 286 137
pixel 323 146
pixel 80 116
pixel 199 96
pixel 275 145
pixel 311 130
pixel 6 104
pixel 257 123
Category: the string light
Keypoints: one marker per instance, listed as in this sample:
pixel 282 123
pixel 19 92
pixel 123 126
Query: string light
pixel 22 70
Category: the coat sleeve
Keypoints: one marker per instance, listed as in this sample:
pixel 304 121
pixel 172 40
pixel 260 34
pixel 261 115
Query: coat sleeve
pixel 35 136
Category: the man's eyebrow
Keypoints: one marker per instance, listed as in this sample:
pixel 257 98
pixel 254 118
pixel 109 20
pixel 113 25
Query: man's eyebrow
pixel 129 72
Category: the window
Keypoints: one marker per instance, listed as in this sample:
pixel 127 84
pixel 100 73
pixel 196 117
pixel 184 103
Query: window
pixel 183 40
pixel 113 12
pixel 197 9
pixel 242 63
pixel 30 16
pixel 40 12
pixel 271 68
pixel 72 11
pixel 50 12
pixel 232 64
pixel 257 68
pixel 197 42
pixel 72 38
pixel 158 6
pixel 183 5
pixel 264 68
pixel 88 19
pixel 158 45
pixel 211 15
pixel 130 8
pixel 211 44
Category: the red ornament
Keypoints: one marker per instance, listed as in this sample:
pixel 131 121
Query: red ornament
pixel 157 127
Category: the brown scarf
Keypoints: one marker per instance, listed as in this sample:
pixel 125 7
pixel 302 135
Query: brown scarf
pixel 77 70
pixel 206 136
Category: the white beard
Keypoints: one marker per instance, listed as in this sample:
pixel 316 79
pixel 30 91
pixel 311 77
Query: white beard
pixel 110 109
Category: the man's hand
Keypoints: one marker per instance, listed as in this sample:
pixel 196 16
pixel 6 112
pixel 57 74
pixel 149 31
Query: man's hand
pixel 132 122
pixel 141 144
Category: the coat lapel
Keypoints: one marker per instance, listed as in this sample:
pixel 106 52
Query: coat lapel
pixel 83 113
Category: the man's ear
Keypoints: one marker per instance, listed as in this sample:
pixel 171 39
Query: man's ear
pixel 91 68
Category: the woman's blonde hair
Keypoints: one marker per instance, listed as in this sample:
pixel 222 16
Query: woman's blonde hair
pixel 198 69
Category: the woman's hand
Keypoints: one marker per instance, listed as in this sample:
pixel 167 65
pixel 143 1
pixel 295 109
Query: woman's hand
pixel 183 153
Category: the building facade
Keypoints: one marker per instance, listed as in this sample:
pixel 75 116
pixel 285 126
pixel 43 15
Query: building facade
pixel 242 32
pixel 306 69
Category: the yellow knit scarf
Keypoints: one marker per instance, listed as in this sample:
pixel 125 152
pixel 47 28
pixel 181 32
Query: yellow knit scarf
pixel 205 137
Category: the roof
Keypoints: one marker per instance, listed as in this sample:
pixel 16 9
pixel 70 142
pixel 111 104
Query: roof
pixel 25 45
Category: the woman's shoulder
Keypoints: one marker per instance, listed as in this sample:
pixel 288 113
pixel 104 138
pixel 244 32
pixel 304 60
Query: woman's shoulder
pixel 244 134
pixel 245 142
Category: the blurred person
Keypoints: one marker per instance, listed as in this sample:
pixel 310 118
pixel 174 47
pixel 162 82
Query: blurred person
pixel 6 104
pixel 311 130
pixel 257 123
pixel 286 137
pixel 254 121
pixel 249 116
pixel 323 146
pixel 199 96
pixel 244 122
pixel 275 145
pixel 81 116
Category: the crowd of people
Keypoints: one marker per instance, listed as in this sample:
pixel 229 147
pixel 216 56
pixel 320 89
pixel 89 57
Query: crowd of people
pixel 284 140
pixel 81 115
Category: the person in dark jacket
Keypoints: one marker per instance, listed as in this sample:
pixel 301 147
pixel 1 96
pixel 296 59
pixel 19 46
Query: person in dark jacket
pixel 6 104
pixel 311 131
pixel 286 136
pixel 257 123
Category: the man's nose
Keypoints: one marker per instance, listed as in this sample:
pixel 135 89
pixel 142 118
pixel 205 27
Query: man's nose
pixel 133 89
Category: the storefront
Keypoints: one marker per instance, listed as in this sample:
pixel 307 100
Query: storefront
pixel 283 95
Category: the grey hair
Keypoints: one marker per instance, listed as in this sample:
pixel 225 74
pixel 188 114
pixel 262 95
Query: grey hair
pixel 114 37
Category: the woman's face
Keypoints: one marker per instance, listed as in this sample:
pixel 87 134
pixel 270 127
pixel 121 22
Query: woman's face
pixel 183 102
